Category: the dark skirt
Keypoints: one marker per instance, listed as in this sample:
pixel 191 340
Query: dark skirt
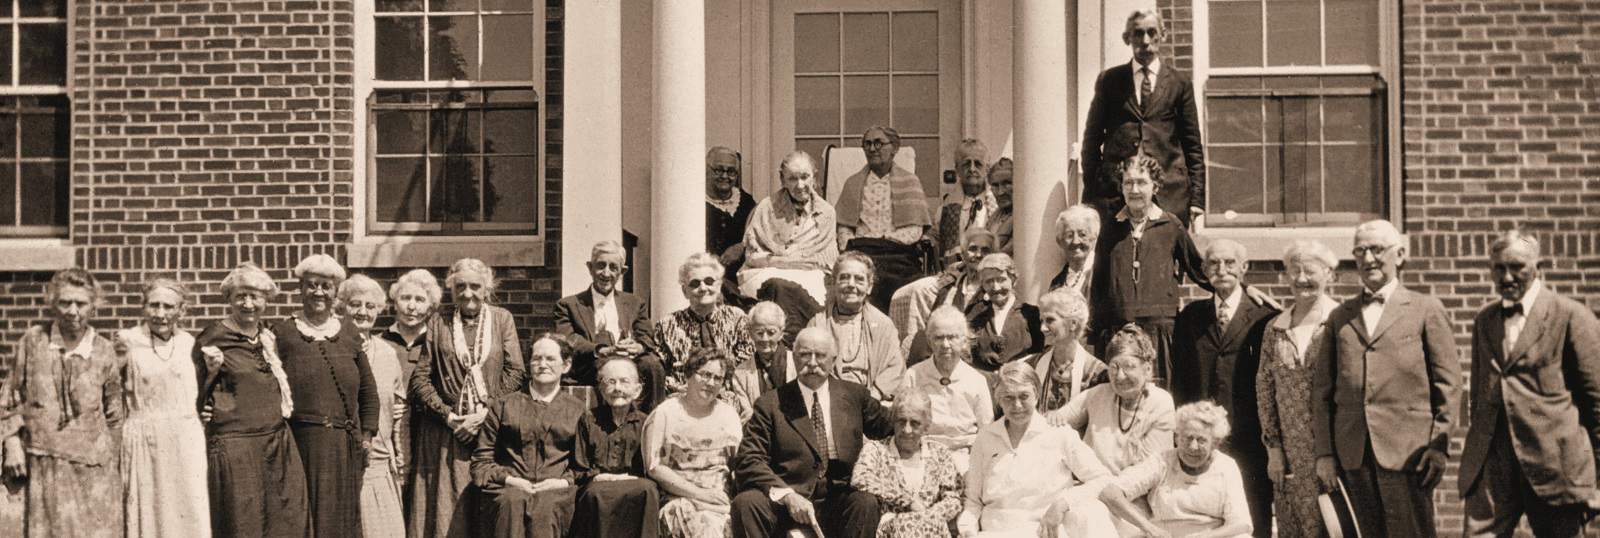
pixel 440 470
pixel 507 512
pixel 897 264
pixel 334 466
pixel 257 485
pixel 625 508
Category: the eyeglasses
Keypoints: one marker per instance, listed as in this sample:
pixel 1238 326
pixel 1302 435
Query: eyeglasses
pixel 875 144
pixel 318 285
pixel 707 282
pixel 720 171
pixel 1375 250
pixel 707 376
pixel 617 382
pixel 613 267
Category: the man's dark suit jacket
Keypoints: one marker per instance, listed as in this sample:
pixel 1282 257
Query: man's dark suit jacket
pixel 1547 392
pixel 1022 336
pixel 575 319
pixel 1166 126
pixel 780 448
pixel 1219 364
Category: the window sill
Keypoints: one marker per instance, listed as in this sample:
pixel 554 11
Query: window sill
pixel 1268 244
pixel 404 251
pixel 36 255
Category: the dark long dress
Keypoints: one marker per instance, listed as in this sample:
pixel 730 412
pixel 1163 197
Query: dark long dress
pixel 532 439
pixel 254 475
pixel 335 409
pixel 614 509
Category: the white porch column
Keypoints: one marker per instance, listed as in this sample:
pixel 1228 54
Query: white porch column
pixel 1041 140
pixel 678 135
pixel 591 208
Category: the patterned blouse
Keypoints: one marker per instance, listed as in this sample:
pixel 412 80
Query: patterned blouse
pixel 684 331
pixel 913 506
pixel 69 400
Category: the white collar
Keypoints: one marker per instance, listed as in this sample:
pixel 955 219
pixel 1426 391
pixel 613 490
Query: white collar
pixel 812 394
pixel 85 347
pixel 1155 66
pixel 326 331
pixel 1387 290
pixel 1319 312
pixel 1153 213
pixel 1232 300
pixel 874 175
pixel 607 296
pixel 1528 297
pixel 546 398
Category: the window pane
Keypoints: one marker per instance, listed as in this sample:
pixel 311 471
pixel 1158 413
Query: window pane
pixel 1233 119
pixel 927 162
pixel 866 103
pixel 401 185
pixel 916 104
pixel 45 187
pixel 454 131
pixel 1300 190
pixel 916 41
pixel 1351 119
pixel 455 189
pixel 452 5
pixel 398 5
pixel 44 8
pixel 1234 175
pixel 1352 32
pixel 5 54
pixel 452 48
pixel 509 38
pixel 526 97
pixel 1355 180
pixel 1235 34
pixel 44 53
pixel 866 42
pixel 8 193
pixel 511 131
pixel 816 43
pixel 507 5
pixel 8 135
pixel 46 135
pixel 817 148
pixel 1292 120
pixel 1294 32
pixel 397 48
pixel 512 196
pixel 401 132
pixel 816 105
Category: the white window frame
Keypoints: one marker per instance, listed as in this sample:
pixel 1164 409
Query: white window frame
pixel 394 248
pixel 39 234
pixel 1267 243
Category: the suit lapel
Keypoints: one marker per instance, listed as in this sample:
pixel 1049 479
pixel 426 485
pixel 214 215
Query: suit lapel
pixel 586 311
pixel 1532 328
pixel 1157 92
pixel 1495 333
pixel 627 309
pixel 793 405
pixel 1132 104
pixel 1358 321
pixel 1393 309
pixel 1243 318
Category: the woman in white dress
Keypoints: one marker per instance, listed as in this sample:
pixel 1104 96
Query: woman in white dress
pixel 164 445
pixel 688 441
pixel 1021 483
pixel 1195 491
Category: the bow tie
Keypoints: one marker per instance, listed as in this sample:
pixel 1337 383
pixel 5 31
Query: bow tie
pixel 1369 297
pixel 1509 310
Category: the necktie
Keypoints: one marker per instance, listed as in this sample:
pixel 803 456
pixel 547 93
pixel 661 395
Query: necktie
pixel 1146 85
pixel 972 214
pixel 820 426
pixel 1224 315
pixel 1509 311
pixel 1368 297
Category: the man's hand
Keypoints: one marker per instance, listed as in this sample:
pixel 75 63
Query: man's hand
pixel 1054 517
pixel 800 509
pixel 520 483
pixel 1195 213
pixel 15 463
pixel 1275 465
pixel 1260 298
pixel 1327 472
pixel 1430 464
pixel 206 414
pixel 628 347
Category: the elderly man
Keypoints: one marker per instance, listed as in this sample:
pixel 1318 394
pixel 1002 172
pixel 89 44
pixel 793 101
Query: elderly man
pixel 604 322
pixel 959 393
pixel 883 212
pixel 791 235
pixel 1216 345
pixel 1077 231
pixel 799 450
pixel 1535 414
pixel 954 286
pixel 1381 400
pixel 975 207
pixel 868 351
pixel 1147 107
pixel 728 207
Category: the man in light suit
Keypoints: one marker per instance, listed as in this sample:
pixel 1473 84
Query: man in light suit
pixel 604 322
pixel 1147 107
pixel 1382 398
pixel 799 450
pixel 1535 415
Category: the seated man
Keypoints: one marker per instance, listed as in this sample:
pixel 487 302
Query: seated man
pixel 883 212
pixel 604 322
pixel 975 207
pixel 1003 327
pixel 868 351
pixel 959 394
pixel 794 464
pixel 615 498
pixel 913 302
pixel 790 243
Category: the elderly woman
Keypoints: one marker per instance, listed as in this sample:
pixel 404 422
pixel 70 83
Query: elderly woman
pixel 65 409
pixel 688 441
pixel 791 234
pixel 1128 419
pixel 415 295
pixel 257 481
pixel 1003 327
pixel 361 301
pixel 867 342
pixel 163 439
pixel 335 399
pixel 523 460
pixel 1292 344
pixel 471 357
pixel 1024 471
pixel 915 479
pixel 1065 367
pixel 707 322
pixel 958 394
pixel 617 499
pixel 1077 230
pixel 1194 490
pixel 771 364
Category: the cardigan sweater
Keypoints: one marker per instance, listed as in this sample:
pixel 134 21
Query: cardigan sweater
pixel 1139 277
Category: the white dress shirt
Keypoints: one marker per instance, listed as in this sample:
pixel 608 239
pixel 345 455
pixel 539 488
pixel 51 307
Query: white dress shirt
pixel 1001 311
pixel 605 314
pixel 1515 323
pixel 1227 307
pixel 1138 77
pixel 1372 312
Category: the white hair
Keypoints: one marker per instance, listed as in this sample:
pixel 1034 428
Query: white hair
pixel 1208 414
pixel 609 246
pixel 1067 303
pixel 696 261
pixel 1313 251
pixel 1385 229
pixel 421 279
pixel 768 310
pixel 1078 213
pixel 359 285
pixel 248 276
pixel 948 314
pixel 1146 13
pixel 471 266
pixel 322 265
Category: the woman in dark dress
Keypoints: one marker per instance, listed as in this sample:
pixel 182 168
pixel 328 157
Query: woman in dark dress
pixel 617 499
pixel 470 358
pixel 335 399
pixel 256 480
pixel 523 460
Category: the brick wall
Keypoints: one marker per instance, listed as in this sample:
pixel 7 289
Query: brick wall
pixel 211 132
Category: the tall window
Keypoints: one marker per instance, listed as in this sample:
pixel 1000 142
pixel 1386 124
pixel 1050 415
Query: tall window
pixel 35 119
pixel 1296 112
pixel 853 70
pixel 455 117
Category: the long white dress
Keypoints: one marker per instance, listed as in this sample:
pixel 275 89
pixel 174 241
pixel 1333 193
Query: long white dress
pixel 1009 487
pixel 163 443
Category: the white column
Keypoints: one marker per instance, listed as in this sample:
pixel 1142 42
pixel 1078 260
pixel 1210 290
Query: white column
pixel 591 208
pixel 1041 139
pixel 678 135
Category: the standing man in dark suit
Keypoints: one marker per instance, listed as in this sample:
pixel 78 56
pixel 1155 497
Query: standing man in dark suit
pixel 1535 415
pixel 1381 399
pixel 975 206
pixel 604 322
pixel 799 450
pixel 1216 346
pixel 1145 106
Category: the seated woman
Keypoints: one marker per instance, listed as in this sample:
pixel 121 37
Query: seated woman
pixel 688 441
pixel 1194 490
pixel 915 479
pixel 1066 368
pixel 616 498
pixel 705 323
pixel 1128 419
pixel 523 461
pixel 791 234
pixel 1024 471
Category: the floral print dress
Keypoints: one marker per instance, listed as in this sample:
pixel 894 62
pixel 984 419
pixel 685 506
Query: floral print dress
pixel 698 449
pixel 1283 388
pixel 913 507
